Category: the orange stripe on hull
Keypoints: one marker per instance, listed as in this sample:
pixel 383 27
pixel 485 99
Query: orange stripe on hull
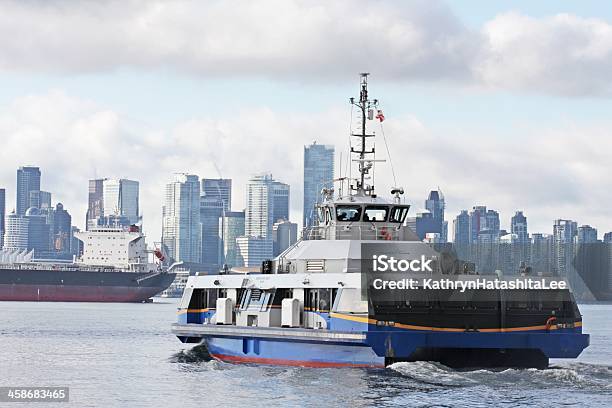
pixel 363 319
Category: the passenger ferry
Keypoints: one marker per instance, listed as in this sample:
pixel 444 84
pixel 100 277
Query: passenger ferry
pixel 315 304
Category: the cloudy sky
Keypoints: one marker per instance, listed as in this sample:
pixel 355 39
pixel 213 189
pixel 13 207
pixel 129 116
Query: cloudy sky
pixel 506 104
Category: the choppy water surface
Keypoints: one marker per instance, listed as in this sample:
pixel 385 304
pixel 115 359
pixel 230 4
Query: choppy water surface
pixel 124 355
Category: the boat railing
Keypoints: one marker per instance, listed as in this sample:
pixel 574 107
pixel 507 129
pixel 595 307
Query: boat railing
pixel 63 268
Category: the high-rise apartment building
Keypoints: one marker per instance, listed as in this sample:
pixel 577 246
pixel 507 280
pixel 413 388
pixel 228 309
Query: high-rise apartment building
pixel 267 203
pixel 564 236
pixel 518 226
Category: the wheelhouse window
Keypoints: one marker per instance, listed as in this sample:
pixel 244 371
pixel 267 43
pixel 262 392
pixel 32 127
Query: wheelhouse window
pixel 398 214
pixel 376 213
pixel 348 212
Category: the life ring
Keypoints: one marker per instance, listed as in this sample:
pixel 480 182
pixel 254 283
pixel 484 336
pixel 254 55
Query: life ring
pixel 386 235
pixel 549 323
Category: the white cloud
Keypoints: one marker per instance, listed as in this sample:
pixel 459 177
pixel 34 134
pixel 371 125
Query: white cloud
pixel 550 172
pixel 562 54
pixel 321 40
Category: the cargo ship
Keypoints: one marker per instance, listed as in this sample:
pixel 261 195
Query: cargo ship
pixel 114 267
pixel 324 302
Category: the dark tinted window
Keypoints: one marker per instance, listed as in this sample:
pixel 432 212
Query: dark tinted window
pixel 398 214
pixel 348 212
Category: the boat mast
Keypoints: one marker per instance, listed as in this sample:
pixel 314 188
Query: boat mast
pixel 366 107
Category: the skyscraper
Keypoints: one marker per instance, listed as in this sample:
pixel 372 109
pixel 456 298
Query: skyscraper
pixel 607 238
pixel 477 222
pixel 39 232
pixel 435 204
pixel 120 198
pixel 40 199
pixel 254 250
pixel 586 235
pixel 461 228
pixel 181 229
pixel 16 233
pixel 231 227
pixel 95 206
pixel 220 189
pixel 62 229
pixel 28 179
pixel 267 202
pixel 318 174
pixel 2 215
pixel 564 235
pixel 284 234
pixel 518 226
pixel 211 209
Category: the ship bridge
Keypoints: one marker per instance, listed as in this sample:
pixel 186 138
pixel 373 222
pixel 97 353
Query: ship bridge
pixel 361 218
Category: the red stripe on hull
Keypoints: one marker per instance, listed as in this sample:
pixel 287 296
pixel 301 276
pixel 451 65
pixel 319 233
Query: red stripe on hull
pixel 75 293
pixel 293 363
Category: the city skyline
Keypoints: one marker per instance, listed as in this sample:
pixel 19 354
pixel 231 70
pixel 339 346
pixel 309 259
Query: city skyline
pixel 220 190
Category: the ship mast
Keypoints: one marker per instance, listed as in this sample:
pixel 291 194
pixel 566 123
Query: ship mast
pixel 365 163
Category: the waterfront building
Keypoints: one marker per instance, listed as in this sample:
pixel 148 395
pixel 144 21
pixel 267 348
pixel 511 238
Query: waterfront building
pixel 318 174
pixel 181 229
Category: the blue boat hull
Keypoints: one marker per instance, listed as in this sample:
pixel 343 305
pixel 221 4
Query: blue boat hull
pixel 382 347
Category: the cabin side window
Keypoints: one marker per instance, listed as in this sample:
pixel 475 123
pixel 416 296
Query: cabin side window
pixel 348 212
pixel 398 214
pixel 375 213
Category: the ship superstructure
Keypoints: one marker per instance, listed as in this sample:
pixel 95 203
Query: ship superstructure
pixel 316 304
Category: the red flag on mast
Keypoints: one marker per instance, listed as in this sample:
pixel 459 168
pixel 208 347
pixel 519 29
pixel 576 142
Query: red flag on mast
pixel 379 115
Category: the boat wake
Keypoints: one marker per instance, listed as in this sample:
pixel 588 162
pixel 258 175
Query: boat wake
pixel 579 376
pixel 196 354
